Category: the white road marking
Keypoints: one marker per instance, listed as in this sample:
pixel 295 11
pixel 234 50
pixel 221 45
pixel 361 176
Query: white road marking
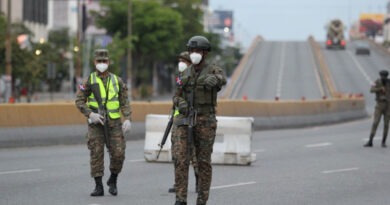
pixel 136 160
pixel 232 185
pixel 20 171
pixel 375 139
pixel 340 170
pixel 360 67
pixel 259 150
pixel 281 71
pixel 316 72
pixel 318 145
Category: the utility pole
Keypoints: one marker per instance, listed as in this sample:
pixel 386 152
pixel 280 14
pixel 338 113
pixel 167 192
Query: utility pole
pixel 8 55
pixel 79 40
pixel 129 58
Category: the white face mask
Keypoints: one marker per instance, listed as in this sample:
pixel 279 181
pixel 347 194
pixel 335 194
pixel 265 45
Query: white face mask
pixel 101 67
pixel 182 66
pixel 195 58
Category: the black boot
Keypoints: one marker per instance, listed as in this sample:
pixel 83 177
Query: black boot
pixel 112 184
pixel 197 183
pixel 99 191
pixel 369 143
pixel 172 190
pixel 384 141
pixel 180 203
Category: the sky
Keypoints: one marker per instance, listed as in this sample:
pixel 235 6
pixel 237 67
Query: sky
pixel 295 20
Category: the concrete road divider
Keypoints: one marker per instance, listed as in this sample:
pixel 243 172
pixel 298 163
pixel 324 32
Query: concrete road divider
pixel 232 144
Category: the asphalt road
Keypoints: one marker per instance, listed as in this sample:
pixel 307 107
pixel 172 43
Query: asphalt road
pixel 320 165
pixel 280 69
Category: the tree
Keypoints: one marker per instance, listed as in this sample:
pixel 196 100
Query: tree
pixel 156 30
pixel 192 16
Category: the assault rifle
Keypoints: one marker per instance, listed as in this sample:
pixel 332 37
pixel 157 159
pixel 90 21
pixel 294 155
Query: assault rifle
pixel 191 118
pixel 166 133
pixel 103 112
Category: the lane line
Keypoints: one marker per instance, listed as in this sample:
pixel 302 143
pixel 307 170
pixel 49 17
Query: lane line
pixel 375 139
pixel 281 71
pixel 360 67
pixel 340 170
pixel 20 171
pixel 232 185
pixel 136 160
pixel 324 144
pixel 316 71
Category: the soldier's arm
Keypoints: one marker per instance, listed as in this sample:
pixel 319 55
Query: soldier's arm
pixel 377 87
pixel 124 100
pixel 82 96
pixel 218 72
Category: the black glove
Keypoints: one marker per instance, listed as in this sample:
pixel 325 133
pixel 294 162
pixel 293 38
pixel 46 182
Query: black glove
pixel 211 81
pixel 182 105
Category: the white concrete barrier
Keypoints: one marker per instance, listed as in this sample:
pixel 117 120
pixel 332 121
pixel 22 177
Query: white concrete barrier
pixel 232 143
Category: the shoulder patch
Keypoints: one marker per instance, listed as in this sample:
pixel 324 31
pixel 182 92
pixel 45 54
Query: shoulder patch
pixel 82 87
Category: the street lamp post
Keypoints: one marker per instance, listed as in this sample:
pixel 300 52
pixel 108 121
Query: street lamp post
pixel 129 59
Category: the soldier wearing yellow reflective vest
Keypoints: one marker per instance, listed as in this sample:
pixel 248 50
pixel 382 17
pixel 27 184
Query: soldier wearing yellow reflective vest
pixel 113 93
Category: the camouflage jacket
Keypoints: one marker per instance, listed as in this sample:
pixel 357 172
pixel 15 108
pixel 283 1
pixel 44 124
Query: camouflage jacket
pixel 382 91
pixel 192 81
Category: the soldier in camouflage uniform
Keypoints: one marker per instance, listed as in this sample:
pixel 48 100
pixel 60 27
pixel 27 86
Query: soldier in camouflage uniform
pixel 184 63
pixel 381 88
pixel 203 81
pixel 113 92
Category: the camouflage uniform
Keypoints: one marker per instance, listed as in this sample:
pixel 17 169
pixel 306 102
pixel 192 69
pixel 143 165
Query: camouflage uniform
pixel 95 135
pixel 204 130
pixel 381 90
pixel 183 57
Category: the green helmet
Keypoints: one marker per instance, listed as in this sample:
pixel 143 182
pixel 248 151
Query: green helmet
pixel 200 42
pixel 101 54
pixel 185 56
pixel 384 73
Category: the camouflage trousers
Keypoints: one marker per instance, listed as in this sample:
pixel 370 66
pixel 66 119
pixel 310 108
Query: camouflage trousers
pixel 193 160
pixel 96 143
pixel 381 109
pixel 204 136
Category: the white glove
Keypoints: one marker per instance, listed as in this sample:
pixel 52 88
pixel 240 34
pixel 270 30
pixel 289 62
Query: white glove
pixel 95 118
pixel 126 126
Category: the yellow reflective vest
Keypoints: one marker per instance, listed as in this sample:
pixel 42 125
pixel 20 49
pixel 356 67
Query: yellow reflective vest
pixel 112 103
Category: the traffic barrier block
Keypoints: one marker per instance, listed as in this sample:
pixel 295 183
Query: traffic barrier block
pixel 232 144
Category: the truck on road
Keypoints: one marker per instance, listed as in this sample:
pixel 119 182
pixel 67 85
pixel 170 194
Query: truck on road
pixel 335 35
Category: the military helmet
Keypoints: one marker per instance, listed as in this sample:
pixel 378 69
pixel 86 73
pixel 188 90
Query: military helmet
pixel 101 54
pixel 185 55
pixel 383 73
pixel 200 42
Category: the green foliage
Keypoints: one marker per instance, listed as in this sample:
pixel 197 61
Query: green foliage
pixel 156 31
pixel 192 17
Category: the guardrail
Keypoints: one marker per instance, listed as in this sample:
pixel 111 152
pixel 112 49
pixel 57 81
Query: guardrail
pixel 46 114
